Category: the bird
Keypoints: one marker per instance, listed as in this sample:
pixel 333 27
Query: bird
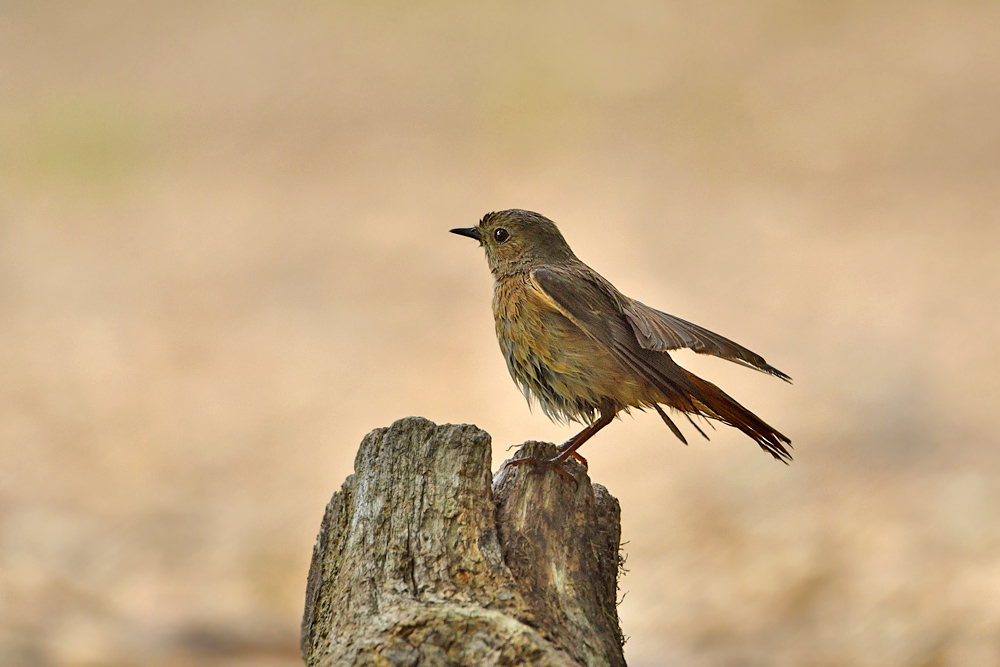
pixel 586 352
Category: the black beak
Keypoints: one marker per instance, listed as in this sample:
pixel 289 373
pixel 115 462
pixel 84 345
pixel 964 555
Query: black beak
pixel 471 232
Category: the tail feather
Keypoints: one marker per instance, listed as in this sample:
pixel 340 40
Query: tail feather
pixel 721 406
pixel 670 424
pixel 698 428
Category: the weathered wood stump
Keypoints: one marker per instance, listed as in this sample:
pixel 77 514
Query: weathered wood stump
pixel 423 560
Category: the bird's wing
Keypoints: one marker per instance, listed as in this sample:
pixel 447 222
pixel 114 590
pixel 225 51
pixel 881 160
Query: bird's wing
pixel 591 306
pixel 656 330
pixel 597 308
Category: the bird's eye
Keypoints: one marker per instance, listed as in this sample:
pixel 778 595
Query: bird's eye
pixel 501 235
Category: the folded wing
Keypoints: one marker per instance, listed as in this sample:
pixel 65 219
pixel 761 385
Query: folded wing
pixel 593 307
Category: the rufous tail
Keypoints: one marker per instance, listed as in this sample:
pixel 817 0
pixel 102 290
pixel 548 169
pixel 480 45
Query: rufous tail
pixel 717 404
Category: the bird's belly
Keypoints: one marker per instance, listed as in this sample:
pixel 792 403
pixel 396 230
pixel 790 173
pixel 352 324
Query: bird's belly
pixel 549 357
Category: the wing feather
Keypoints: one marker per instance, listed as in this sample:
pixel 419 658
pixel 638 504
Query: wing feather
pixel 603 314
pixel 656 330
pixel 590 306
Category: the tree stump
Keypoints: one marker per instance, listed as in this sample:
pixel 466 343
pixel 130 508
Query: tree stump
pixel 422 559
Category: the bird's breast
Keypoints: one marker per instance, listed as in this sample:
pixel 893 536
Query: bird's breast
pixel 549 356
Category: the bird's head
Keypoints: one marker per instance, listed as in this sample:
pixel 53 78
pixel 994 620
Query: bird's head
pixel 517 241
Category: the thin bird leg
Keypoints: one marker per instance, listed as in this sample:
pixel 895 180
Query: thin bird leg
pixel 569 447
pixel 569 443
pixel 541 465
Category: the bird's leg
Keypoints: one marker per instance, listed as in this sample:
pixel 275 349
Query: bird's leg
pixel 568 448
pixel 570 444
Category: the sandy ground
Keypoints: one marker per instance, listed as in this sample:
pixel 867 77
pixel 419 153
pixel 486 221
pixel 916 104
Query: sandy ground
pixel 224 258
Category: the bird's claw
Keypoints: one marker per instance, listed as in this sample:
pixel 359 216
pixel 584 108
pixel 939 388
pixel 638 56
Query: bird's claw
pixel 539 466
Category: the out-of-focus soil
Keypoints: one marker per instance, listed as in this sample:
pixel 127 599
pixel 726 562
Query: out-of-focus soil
pixel 224 258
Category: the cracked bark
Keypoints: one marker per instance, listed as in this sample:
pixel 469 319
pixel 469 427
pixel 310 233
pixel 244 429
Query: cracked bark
pixel 423 559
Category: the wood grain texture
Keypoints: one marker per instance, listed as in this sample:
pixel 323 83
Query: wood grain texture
pixel 422 559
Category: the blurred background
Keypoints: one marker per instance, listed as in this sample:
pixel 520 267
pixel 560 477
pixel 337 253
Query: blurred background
pixel 224 258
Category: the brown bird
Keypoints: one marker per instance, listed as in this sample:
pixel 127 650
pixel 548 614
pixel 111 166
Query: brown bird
pixel 586 351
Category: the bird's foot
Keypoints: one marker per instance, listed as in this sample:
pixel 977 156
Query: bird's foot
pixel 539 466
pixel 576 456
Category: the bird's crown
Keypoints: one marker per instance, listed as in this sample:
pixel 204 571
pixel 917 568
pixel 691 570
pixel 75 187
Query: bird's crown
pixel 516 241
